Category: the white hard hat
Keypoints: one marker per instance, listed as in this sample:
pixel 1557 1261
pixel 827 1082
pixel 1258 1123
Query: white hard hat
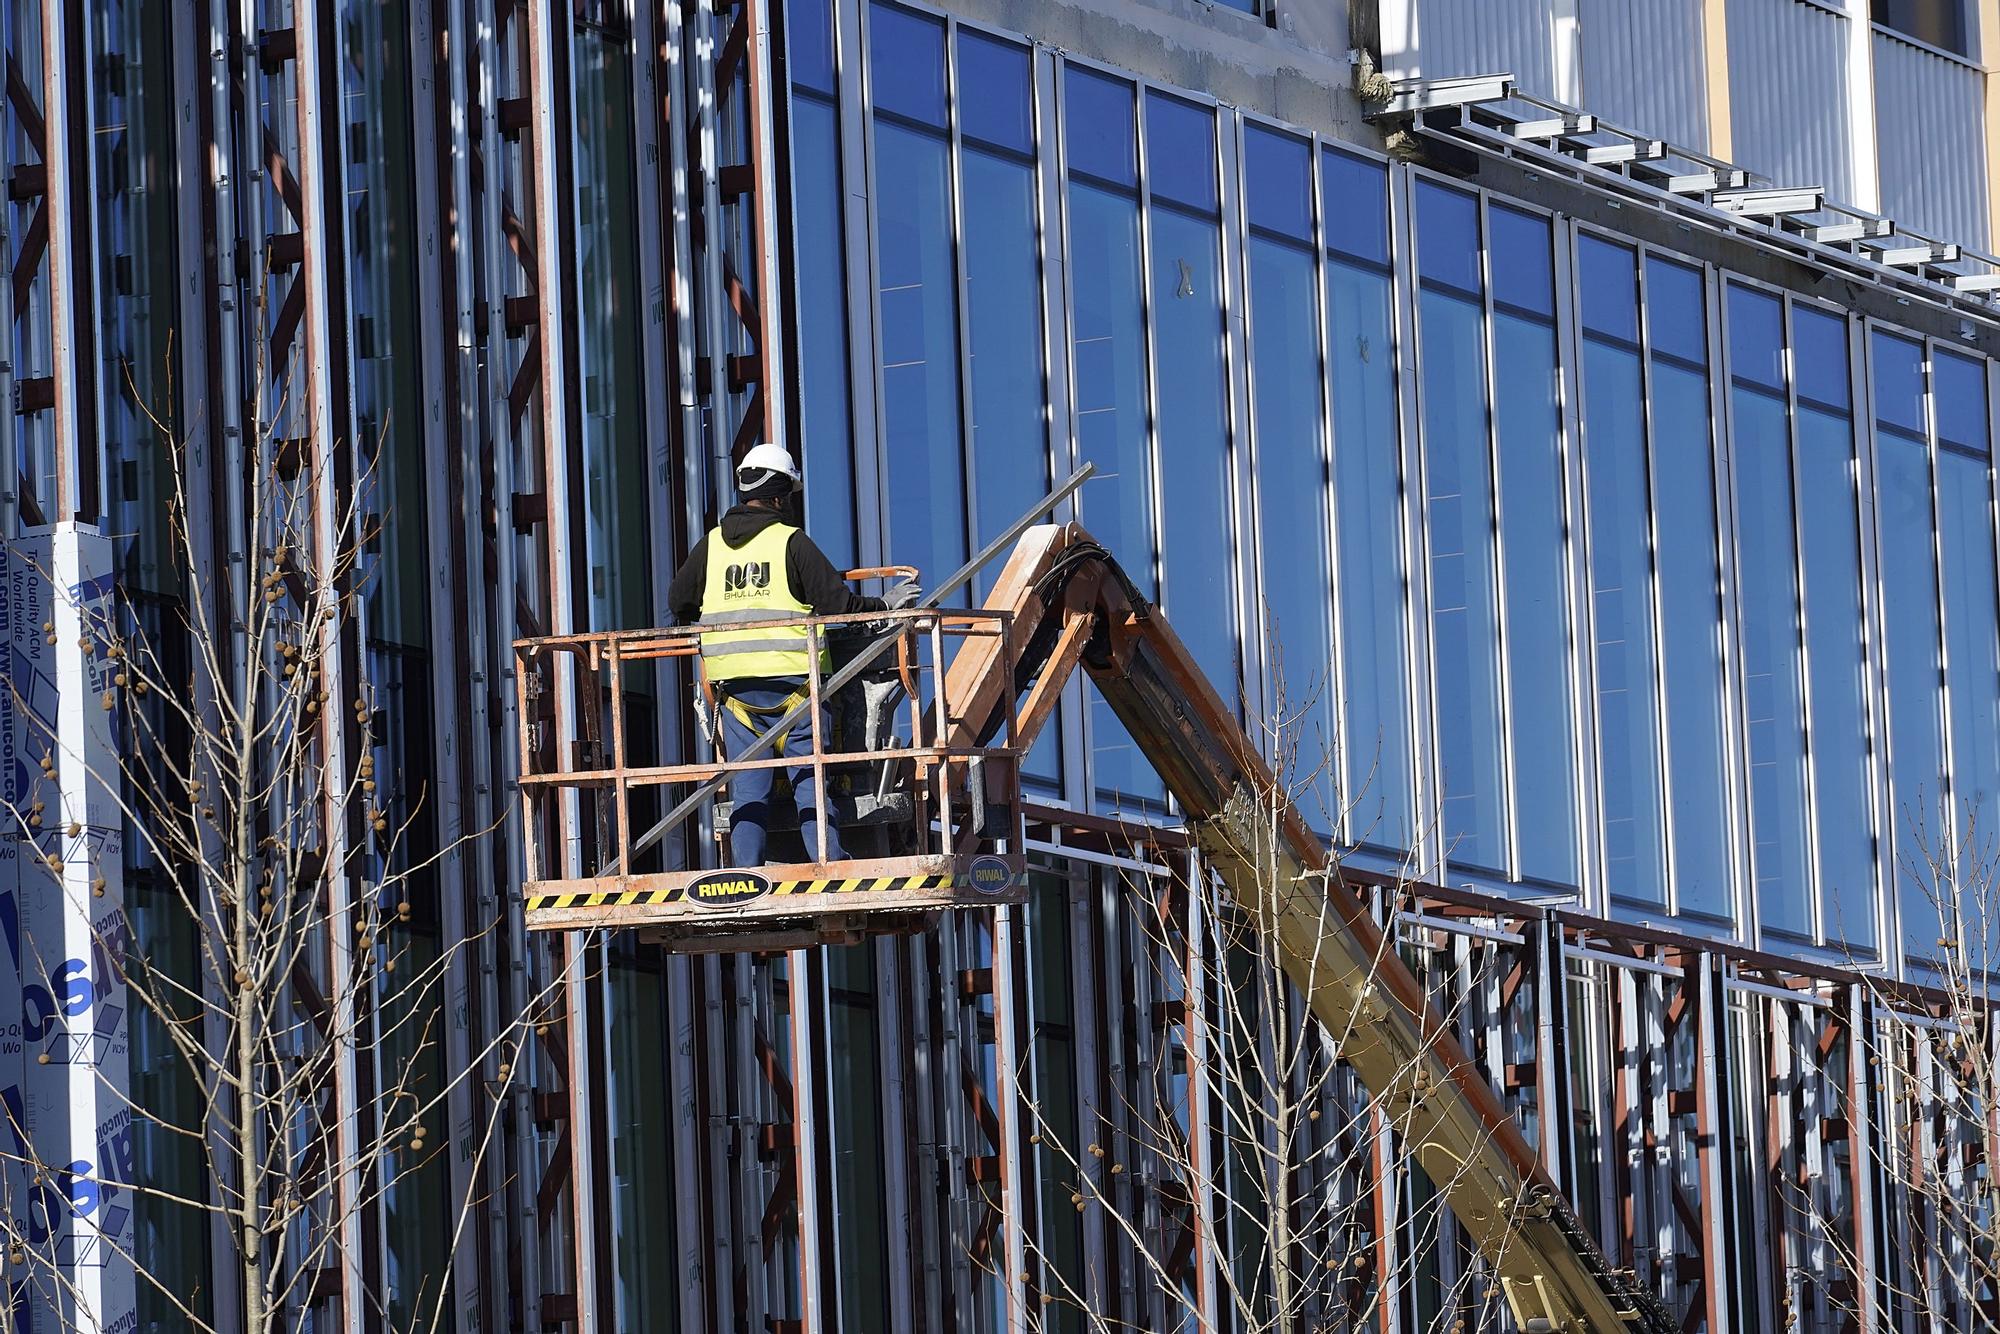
pixel 763 465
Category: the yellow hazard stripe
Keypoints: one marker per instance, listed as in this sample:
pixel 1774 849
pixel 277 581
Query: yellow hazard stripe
pixel 615 898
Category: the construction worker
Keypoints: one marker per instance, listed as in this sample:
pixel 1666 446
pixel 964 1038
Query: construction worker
pixel 758 565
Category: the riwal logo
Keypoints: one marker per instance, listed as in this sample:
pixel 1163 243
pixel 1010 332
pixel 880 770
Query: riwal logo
pixel 990 875
pixel 726 889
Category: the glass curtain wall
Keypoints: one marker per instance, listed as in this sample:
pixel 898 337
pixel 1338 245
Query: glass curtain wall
pixel 819 282
pixel 1652 500
pixel 1288 415
pixel 1190 373
pixel 1372 606
pixel 1906 512
pixel 917 293
pixel 1688 588
pixel 1972 638
pixel 1109 363
pixel 1493 463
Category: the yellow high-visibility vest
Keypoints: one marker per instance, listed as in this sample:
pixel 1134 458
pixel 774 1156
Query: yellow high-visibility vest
pixel 750 583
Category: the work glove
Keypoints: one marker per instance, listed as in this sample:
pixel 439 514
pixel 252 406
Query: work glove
pixel 903 594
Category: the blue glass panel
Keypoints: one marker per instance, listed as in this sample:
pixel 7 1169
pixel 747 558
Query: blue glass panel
pixel 826 437
pixel 1097 126
pixel 1180 152
pixel 1691 606
pixel 1465 623
pixel 1913 652
pixel 1899 384
pixel 1356 191
pixel 1368 494
pixel 1189 370
pixel 1293 552
pixel 1527 418
pixel 1278 181
pixel 1966 533
pixel 919 324
pixel 1607 279
pixel 1675 311
pixel 1837 666
pixel 995 103
pixel 1773 697
pixel 1448 237
pixel 809 38
pixel 906 56
pixel 1756 338
pixel 1614 442
pixel 1003 300
pixel 1109 354
pixel 1958 385
pixel 1524 273
pixel 1819 343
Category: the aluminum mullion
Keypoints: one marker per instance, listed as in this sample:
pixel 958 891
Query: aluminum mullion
pixel 1663 703
pixel 328 373
pixel 555 288
pixel 72 249
pixel 871 521
pixel 1510 831
pixel 1233 266
pixel 1427 762
pixel 1052 205
pixel 1587 794
pixel 469 1010
pixel 1875 631
pixel 513 983
pixel 1802 662
pixel 1737 837
pixel 968 473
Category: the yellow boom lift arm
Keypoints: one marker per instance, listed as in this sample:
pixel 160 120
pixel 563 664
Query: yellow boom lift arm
pixel 1064 603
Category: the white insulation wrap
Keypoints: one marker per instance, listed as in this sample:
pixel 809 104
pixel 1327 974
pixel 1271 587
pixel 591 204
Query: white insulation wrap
pixel 1642 67
pixel 1930 109
pixel 1442 39
pixel 1787 93
pixel 64 1077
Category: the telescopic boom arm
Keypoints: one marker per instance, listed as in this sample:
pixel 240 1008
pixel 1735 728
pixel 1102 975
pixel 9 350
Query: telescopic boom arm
pixel 1072 605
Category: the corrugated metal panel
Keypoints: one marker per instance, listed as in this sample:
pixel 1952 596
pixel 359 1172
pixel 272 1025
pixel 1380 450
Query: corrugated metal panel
pixel 1930 126
pixel 1787 93
pixel 1642 67
pixel 1438 39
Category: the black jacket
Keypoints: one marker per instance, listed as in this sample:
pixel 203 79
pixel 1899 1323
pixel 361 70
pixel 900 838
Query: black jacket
pixel 812 575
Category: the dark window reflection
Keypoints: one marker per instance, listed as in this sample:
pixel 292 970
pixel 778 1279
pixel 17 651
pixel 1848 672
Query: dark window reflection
pixel 1003 299
pixel 1189 372
pixel 1620 509
pixel 1908 527
pixel 1528 432
pixel 1767 563
pixel 1691 652
pixel 1459 504
pixel 1108 350
pixel 1836 638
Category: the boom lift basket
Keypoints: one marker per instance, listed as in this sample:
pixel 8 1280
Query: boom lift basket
pixel 927 825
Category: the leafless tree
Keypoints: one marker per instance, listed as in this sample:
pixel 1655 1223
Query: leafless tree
pixel 1932 1051
pixel 1249 1132
pixel 295 879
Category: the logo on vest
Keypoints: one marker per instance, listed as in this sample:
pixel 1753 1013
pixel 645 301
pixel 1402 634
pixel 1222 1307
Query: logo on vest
pixel 990 875
pixel 723 889
pixel 749 577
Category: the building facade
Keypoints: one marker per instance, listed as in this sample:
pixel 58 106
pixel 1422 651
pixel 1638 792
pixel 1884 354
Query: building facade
pixel 1570 423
